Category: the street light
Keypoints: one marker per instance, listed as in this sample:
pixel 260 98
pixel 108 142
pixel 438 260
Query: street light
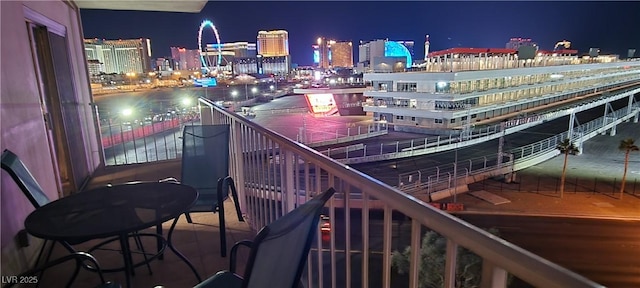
pixel 186 101
pixel 127 112
pixel 131 75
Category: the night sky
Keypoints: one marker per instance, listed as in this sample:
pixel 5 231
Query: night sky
pixel 614 27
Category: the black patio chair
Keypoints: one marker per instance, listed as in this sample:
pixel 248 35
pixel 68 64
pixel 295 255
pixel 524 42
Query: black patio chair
pixel 34 276
pixel 279 251
pixel 11 163
pixel 205 167
pixel 31 189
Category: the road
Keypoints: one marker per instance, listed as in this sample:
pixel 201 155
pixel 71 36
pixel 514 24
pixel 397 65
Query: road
pixel 606 251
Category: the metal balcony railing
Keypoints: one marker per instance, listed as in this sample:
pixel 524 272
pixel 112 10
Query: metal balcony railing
pixel 275 174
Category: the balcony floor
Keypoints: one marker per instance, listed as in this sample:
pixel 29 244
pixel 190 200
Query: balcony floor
pixel 199 241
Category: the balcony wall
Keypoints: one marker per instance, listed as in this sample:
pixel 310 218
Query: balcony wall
pixel 23 129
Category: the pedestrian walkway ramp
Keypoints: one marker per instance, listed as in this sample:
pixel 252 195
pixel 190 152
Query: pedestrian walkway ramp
pixel 489 197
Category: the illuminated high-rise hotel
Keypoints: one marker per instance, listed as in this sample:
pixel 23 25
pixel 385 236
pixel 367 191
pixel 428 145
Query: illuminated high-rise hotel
pixel 332 54
pixel 324 56
pixel 342 54
pixel 273 43
pixel 120 56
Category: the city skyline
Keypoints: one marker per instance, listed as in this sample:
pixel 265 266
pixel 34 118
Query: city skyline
pixel 449 24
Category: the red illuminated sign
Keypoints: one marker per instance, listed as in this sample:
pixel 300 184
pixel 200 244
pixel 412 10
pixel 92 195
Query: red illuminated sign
pixel 320 103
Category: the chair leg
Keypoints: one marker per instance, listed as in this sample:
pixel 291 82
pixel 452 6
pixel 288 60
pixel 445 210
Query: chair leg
pixel 44 245
pixel 186 214
pixel 222 186
pixel 234 194
pixel 47 257
pixel 223 236
pixel 53 244
pixel 144 253
pixel 159 243
pixel 175 251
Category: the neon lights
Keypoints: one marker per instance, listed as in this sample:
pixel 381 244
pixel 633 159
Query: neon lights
pixel 204 24
pixel 205 82
pixel 320 103
pixel 395 49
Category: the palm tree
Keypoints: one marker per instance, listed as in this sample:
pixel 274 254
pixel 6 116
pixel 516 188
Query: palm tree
pixel 566 147
pixel 627 146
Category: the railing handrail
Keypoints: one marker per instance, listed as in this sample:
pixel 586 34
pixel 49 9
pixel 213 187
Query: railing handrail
pixel 521 263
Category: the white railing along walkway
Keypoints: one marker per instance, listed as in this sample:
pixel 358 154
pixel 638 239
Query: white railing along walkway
pixel 424 181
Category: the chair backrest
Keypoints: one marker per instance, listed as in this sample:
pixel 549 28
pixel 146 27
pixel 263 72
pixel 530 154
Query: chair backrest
pixel 205 159
pixel 279 251
pixel 23 178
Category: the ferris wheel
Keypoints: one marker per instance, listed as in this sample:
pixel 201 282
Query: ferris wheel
pixel 207 64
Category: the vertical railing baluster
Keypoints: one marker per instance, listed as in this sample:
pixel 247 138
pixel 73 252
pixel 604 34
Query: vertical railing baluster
pixel 386 250
pixel 414 263
pixel 450 264
pixel 347 230
pixel 365 239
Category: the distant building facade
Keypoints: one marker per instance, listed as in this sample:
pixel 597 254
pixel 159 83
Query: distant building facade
pixel 186 59
pixel 323 49
pixel 243 58
pixel 342 55
pixel 409 45
pixel 245 65
pixel 227 53
pixel 94 67
pixel 269 55
pixel 461 87
pixel 164 64
pixel 273 52
pixel 273 43
pixel 120 56
pixel 332 54
pixel 383 56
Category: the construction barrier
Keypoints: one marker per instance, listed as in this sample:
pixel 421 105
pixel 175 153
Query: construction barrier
pixel 451 207
pixel 142 131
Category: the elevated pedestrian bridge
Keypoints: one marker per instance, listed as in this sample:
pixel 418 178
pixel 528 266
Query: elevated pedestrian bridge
pixel 360 153
pixel 444 181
